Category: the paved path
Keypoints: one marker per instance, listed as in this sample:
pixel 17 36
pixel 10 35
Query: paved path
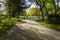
pixel 30 30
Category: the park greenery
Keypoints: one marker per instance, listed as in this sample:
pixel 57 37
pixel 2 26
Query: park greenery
pixel 34 12
pixel 48 12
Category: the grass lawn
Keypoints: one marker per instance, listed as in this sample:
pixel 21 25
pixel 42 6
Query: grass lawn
pixel 22 17
pixel 51 26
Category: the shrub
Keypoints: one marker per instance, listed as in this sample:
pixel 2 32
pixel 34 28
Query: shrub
pixel 52 18
pixel 6 24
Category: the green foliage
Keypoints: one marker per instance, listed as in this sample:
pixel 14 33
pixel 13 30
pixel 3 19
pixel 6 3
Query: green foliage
pixel 34 12
pixel 14 8
pixel 6 24
pixel 52 18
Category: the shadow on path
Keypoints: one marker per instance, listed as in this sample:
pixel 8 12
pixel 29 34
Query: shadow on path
pixel 20 34
pixel 28 31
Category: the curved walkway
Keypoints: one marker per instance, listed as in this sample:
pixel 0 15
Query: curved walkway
pixel 30 30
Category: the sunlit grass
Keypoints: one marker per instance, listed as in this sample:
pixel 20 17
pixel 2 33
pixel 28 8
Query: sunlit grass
pixel 48 25
pixel 22 17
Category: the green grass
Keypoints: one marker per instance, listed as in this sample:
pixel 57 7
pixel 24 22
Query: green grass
pixel 51 26
pixel 32 16
pixel 22 17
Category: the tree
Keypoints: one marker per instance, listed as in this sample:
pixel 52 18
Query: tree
pixel 49 6
pixel 15 7
pixel 34 12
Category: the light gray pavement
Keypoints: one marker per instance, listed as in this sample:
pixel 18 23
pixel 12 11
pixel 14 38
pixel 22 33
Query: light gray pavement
pixel 30 30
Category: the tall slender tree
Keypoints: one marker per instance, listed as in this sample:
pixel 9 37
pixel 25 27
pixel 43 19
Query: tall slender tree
pixel 39 2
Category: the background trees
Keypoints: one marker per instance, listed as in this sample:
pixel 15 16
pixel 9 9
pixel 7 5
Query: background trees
pixel 51 8
pixel 34 12
pixel 15 7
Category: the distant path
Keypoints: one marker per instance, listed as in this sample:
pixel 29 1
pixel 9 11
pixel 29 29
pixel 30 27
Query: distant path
pixel 30 30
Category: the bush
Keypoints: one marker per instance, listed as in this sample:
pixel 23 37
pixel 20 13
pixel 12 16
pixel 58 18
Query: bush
pixel 52 18
pixel 6 24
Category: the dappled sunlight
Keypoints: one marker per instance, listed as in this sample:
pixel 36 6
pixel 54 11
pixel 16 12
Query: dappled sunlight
pixel 21 34
pixel 29 19
pixel 29 31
